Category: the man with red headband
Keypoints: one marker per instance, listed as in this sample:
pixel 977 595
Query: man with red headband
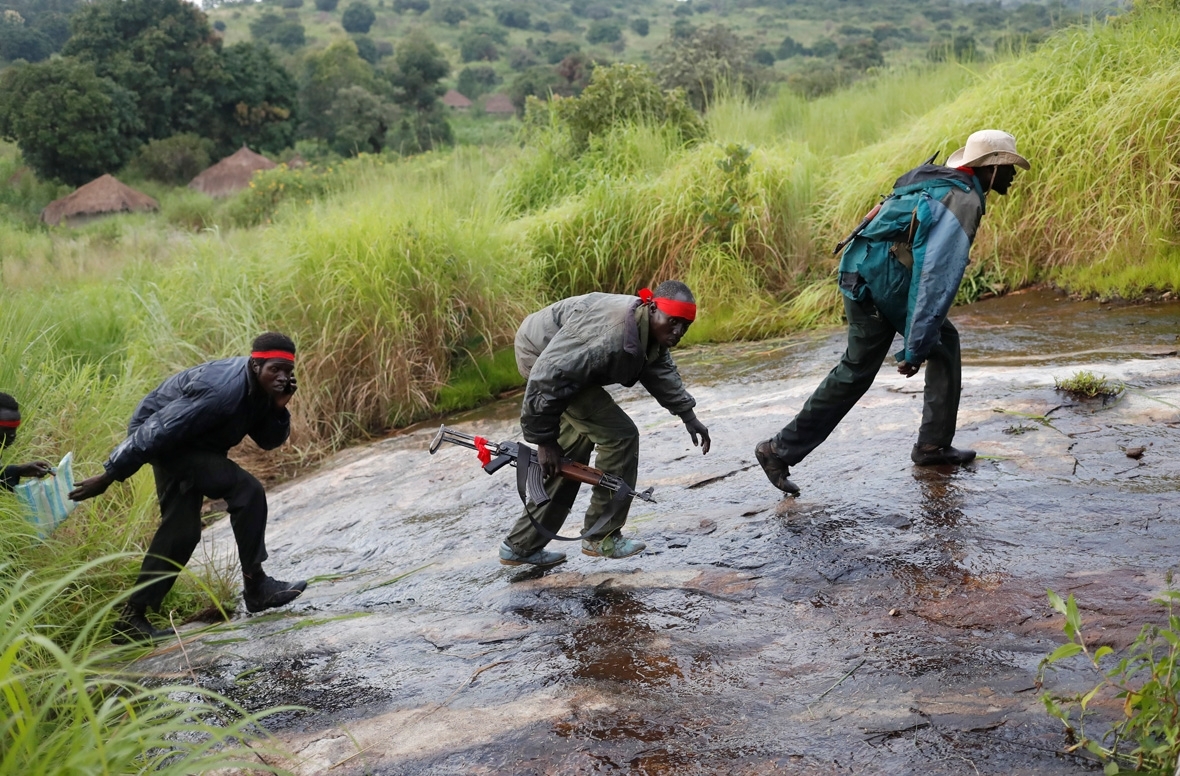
pixel 185 429
pixel 10 476
pixel 568 352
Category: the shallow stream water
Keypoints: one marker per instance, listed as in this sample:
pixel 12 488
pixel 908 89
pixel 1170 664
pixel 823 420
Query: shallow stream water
pixel 889 620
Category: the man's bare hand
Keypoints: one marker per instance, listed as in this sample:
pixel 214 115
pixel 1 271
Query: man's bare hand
pixel 95 486
pixel 908 369
pixel 549 456
pixel 34 469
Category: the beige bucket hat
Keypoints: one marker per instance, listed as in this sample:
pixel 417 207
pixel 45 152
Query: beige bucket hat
pixel 987 147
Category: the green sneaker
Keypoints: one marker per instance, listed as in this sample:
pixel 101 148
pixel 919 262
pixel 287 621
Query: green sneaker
pixel 613 546
pixel 542 557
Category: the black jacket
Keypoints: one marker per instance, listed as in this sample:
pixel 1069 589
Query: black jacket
pixel 210 408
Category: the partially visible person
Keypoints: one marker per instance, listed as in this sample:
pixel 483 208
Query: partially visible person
pixel 899 274
pixel 185 429
pixel 10 476
pixel 568 352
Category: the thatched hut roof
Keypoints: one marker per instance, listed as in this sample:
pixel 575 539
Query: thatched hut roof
pixel 499 104
pixel 231 174
pixel 99 197
pixel 456 100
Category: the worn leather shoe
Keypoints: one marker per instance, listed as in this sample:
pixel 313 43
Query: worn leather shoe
pixel 541 557
pixel 776 471
pixel 612 546
pixel 133 627
pixel 263 592
pixel 932 455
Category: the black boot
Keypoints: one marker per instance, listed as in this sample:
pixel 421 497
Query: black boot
pixel 133 627
pixel 776 470
pixel 933 455
pixel 263 592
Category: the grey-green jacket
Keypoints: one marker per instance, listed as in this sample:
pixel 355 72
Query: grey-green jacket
pixel 596 339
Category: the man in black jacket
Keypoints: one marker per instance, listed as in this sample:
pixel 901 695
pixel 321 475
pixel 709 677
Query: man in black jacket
pixel 11 475
pixel 185 429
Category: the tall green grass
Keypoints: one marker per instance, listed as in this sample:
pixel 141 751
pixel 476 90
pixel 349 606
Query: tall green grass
pixel 67 708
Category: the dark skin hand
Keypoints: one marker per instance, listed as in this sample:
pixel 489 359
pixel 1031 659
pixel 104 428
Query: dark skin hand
pixel 908 369
pixel 276 378
pixel 668 330
pixel 35 469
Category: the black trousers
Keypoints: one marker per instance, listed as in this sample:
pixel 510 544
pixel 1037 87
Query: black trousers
pixel 870 338
pixel 182 483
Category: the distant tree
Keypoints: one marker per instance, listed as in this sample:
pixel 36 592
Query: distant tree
pixel 542 26
pixel 163 51
pixel 417 6
pixel 480 44
pixel 450 13
pixel 513 15
pixel 683 29
pixel 575 71
pixel 539 81
pixel 95 126
pixel 789 48
pixel 291 4
pixel 289 35
pixel 824 47
pixel 554 51
pixel 764 57
pixel 219 25
pixel 420 67
pixel 366 48
pixel 861 55
pixel 640 26
pixel 358 17
pixel 816 79
pixel 325 73
pixel 603 32
pixel 257 102
pixel 20 41
pixel 683 10
pixel 477 80
pixel 54 25
pixel 263 28
pixel 710 58
pixel 327 6
pixel 360 121
pixel 521 58
pixel 958 49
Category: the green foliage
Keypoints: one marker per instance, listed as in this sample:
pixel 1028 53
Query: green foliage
pixel 622 94
pixel 480 44
pixel 451 13
pixel 710 60
pixel 361 120
pixel 514 15
pixel 419 68
pixel 326 72
pixel 1146 737
pixel 270 27
pixel 173 161
pixel 476 380
pixel 327 6
pixel 366 49
pixel 477 80
pixel 68 712
pixel 22 41
pixel 95 120
pixel 604 31
pixel 1087 385
pixel 358 17
pixel 417 6
pixel 641 26
pixel 862 55
pixel 257 102
pixel 958 49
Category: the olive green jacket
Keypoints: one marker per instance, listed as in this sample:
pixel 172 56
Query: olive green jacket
pixel 596 339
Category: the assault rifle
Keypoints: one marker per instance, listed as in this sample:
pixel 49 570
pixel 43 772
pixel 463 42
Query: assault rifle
pixel 530 483
pixel 871 215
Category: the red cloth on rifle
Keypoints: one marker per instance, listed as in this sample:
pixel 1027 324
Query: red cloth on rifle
pixel 481 449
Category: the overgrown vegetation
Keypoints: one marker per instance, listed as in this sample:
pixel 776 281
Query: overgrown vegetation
pixel 1137 698
pixel 1087 385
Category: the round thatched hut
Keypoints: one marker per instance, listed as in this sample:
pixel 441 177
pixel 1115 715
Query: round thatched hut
pixel 231 174
pixel 499 105
pixel 101 197
pixel 456 100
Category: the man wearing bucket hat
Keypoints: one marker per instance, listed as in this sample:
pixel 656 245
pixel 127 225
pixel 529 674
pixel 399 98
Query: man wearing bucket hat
pixel 899 273
pixel 568 352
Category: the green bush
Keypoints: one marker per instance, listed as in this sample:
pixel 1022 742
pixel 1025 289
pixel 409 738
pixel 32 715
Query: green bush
pixel 1145 738
pixel 173 161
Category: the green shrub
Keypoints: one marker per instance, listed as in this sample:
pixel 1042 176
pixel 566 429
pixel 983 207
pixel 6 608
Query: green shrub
pixel 1145 737
pixel 173 161
pixel 1087 385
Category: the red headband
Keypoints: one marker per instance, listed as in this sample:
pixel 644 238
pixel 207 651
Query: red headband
pixel 265 354
pixel 9 424
pixel 672 307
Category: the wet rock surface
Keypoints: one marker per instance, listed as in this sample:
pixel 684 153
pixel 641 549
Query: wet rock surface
pixel 889 620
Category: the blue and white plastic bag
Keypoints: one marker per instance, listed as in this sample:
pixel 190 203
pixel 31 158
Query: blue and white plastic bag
pixel 45 502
